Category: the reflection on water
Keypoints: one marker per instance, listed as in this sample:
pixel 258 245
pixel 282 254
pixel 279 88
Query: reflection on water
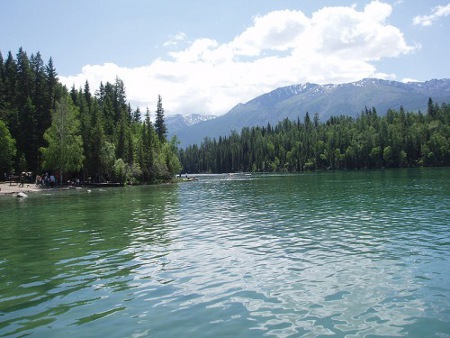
pixel 342 253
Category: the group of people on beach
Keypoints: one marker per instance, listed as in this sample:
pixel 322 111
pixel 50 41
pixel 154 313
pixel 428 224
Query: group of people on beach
pixel 46 180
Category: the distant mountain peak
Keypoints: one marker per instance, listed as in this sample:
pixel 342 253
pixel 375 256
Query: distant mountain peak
pixel 177 122
pixel 293 89
pixel 190 119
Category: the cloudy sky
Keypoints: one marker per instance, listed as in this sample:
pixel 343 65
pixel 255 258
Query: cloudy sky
pixel 206 56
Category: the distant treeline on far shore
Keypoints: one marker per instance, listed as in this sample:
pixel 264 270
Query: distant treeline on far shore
pixel 396 139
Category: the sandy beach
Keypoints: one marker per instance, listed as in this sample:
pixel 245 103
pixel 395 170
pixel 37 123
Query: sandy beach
pixel 7 189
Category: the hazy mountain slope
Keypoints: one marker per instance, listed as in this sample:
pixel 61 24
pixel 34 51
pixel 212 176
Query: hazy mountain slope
pixel 328 100
pixel 175 123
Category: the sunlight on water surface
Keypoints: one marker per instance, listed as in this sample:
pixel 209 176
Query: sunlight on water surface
pixel 348 254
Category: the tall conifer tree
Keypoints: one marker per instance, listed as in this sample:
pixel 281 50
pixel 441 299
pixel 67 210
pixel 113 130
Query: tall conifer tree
pixel 160 125
pixel 52 82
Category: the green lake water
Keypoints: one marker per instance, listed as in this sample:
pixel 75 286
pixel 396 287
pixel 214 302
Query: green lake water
pixel 341 254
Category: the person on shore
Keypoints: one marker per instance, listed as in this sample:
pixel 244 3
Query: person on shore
pixel 52 181
pixel 22 180
pixel 38 180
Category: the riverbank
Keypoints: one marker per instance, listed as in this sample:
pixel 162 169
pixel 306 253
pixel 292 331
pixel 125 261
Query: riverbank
pixel 8 189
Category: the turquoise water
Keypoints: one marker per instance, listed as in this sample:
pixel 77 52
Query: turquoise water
pixel 343 254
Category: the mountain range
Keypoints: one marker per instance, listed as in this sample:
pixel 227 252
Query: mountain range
pixel 293 102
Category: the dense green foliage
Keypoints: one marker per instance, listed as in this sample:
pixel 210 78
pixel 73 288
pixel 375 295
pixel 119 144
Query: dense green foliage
pixel 7 146
pixel 94 137
pixel 397 139
pixel 65 146
pixel 28 93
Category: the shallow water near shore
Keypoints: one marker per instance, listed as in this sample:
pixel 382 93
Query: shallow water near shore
pixel 346 254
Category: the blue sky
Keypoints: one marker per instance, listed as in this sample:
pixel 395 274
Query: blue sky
pixel 206 56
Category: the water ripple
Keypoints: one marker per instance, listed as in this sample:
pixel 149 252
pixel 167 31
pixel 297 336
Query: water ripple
pixel 290 256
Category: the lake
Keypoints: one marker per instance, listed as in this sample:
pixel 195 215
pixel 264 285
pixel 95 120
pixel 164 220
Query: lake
pixel 346 254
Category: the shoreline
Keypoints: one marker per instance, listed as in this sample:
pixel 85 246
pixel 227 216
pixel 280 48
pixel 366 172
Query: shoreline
pixel 14 189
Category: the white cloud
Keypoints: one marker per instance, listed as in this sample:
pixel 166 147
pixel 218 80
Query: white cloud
pixel 437 12
pixel 334 45
pixel 278 31
pixel 175 40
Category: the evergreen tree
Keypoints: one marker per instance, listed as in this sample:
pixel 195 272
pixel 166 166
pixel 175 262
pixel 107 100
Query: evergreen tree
pixel 160 125
pixel 136 117
pixel 85 119
pixel 120 106
pixel 10 93
pixel 2 89
pixel 100 93
pixel 27 142
pixel 147 159
pixel 431 109
pixel 121 150
pixel 107 105
pixel 87 94
pixel 24 78
pixel 40 97
pixel 52 82
pixel 96 141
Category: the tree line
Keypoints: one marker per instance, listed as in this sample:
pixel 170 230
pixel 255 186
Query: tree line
pixel 96 137
pixel 396 139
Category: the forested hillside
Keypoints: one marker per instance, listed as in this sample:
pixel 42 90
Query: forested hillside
pixel 77 133
pixel 396 139
pixel 294 101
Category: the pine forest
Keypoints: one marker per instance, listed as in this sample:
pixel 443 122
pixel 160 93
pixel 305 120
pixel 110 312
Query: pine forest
pixel 44 127
pixel 98 137
pixel 396 139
